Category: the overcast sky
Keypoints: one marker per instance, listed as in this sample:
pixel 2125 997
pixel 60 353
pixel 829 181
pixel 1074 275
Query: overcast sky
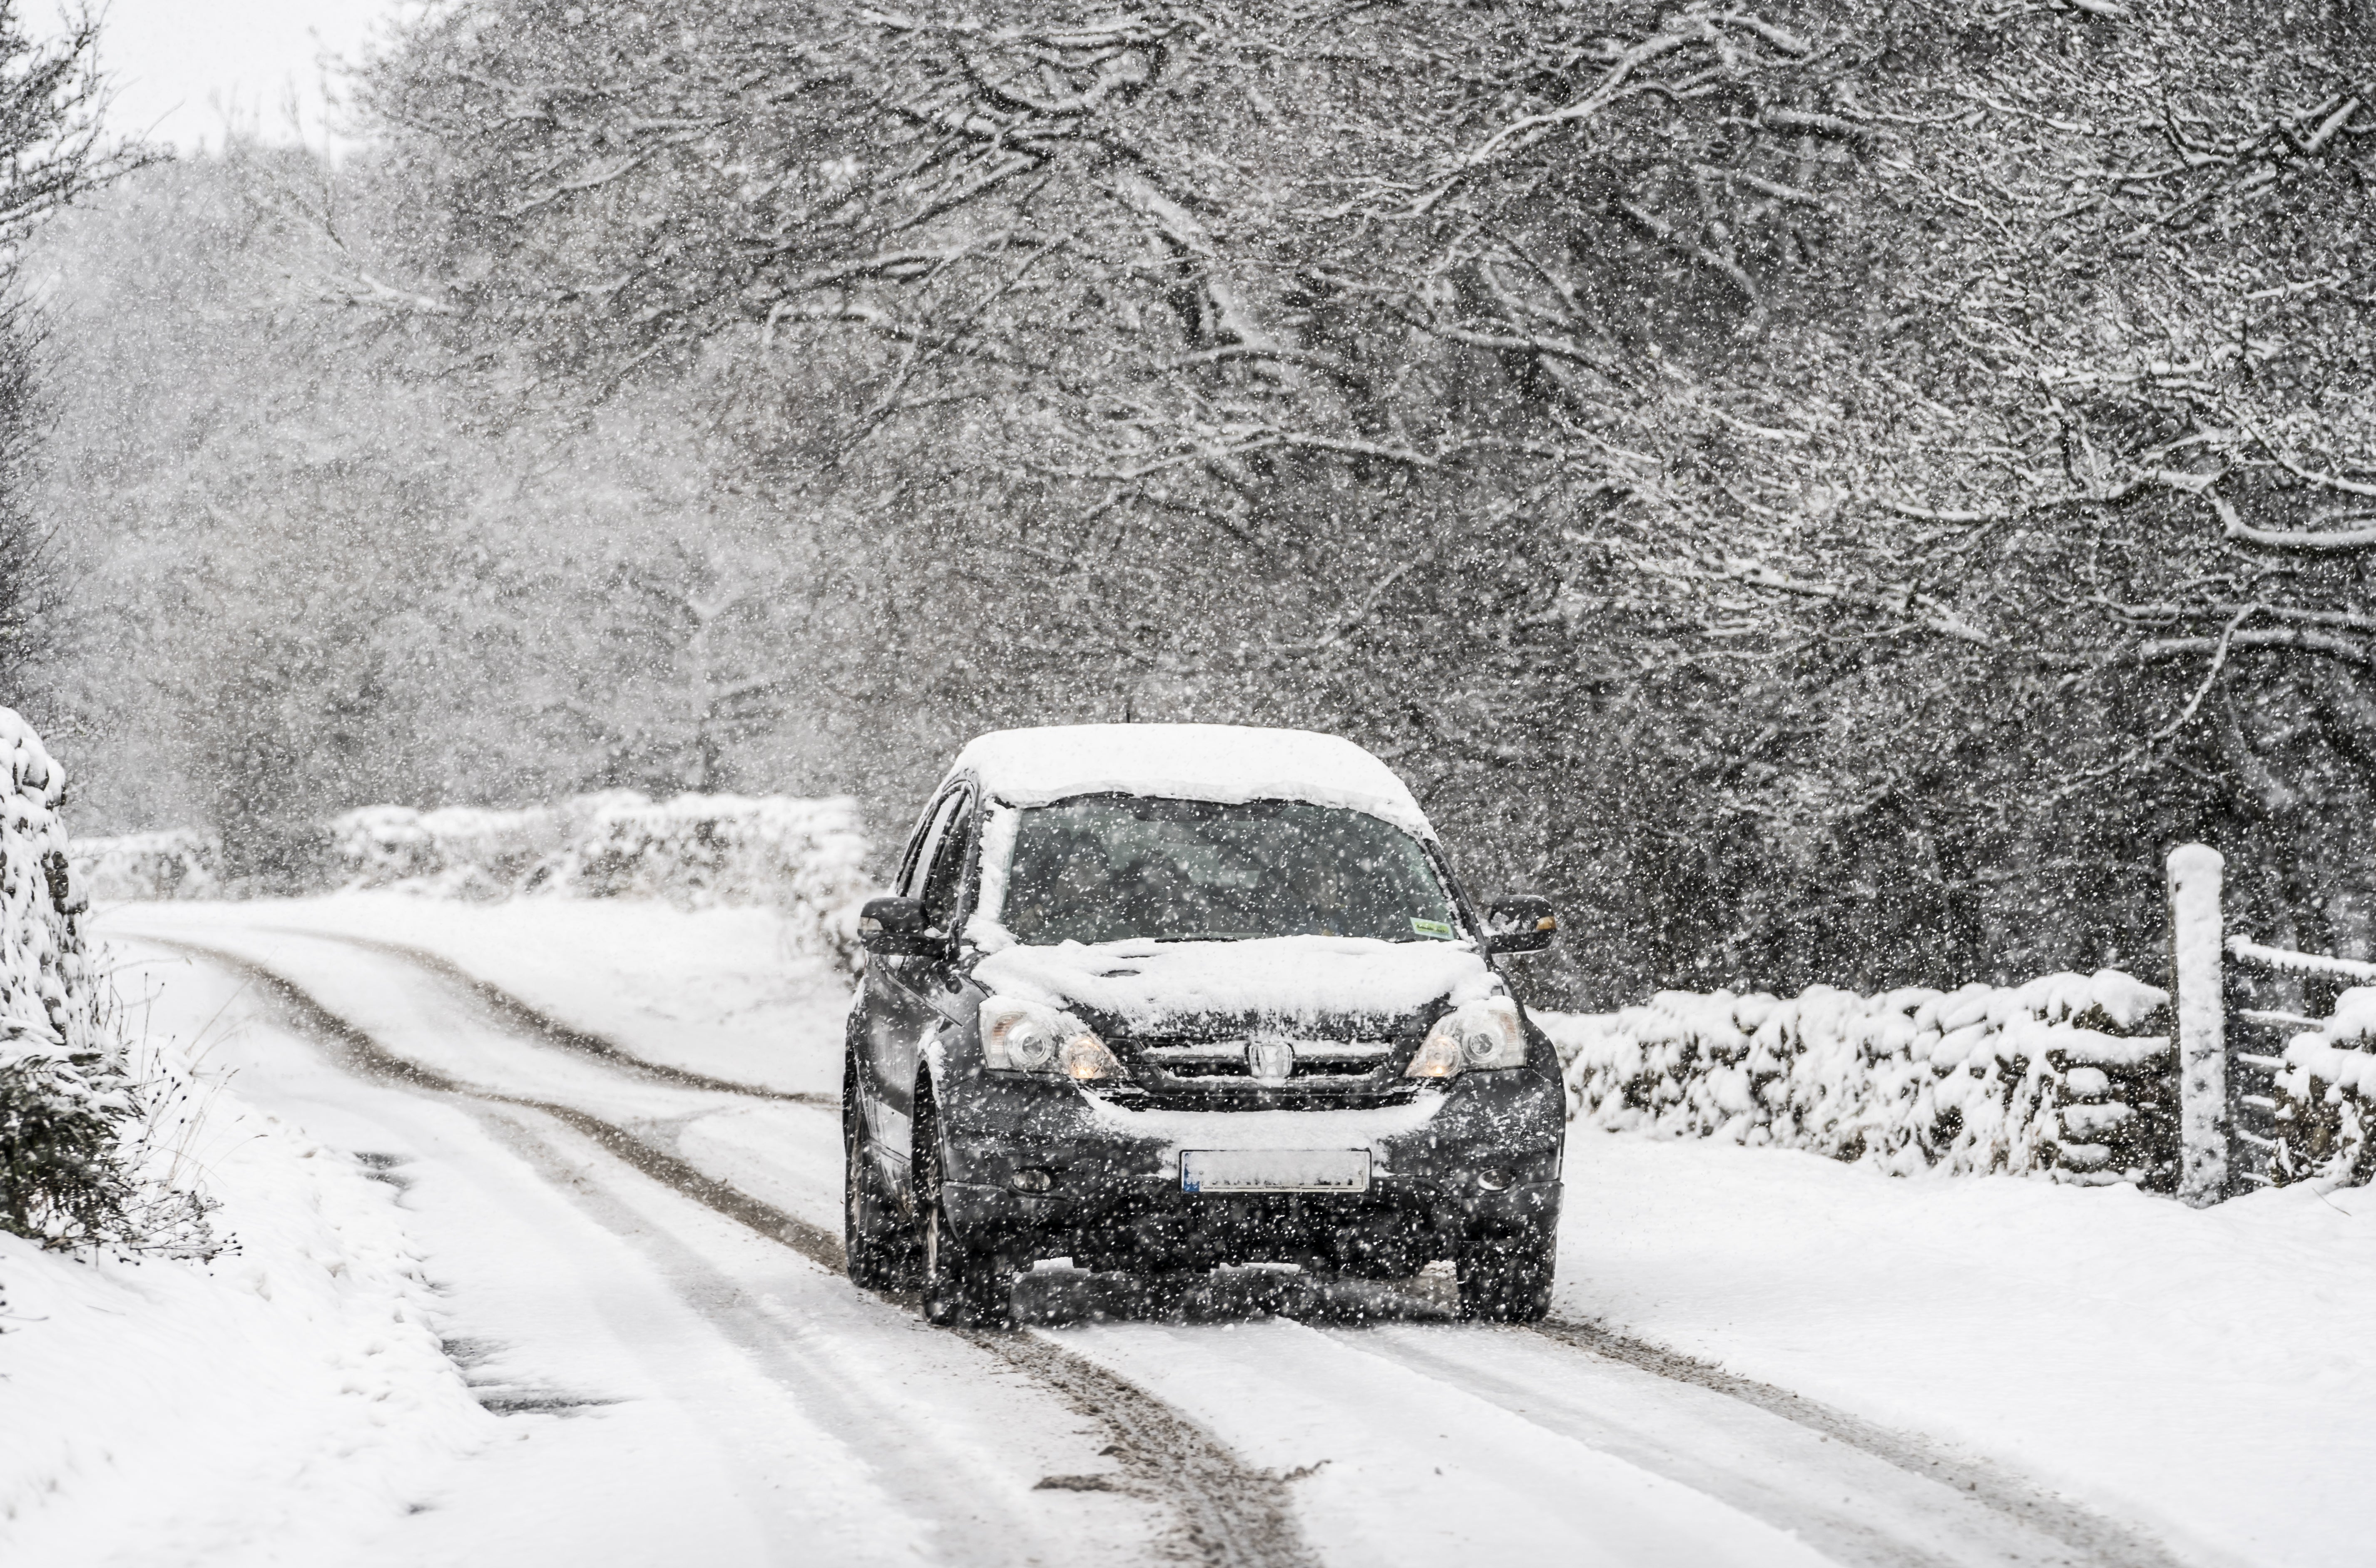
pixel 180 68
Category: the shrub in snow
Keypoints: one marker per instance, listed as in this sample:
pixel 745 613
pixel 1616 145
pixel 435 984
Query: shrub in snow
pixel 2057 1075
pixel 179 862
pixel 73 1131
pixel 454 852
pixel 2329 1088
pixel 60 1178
pixel 803 858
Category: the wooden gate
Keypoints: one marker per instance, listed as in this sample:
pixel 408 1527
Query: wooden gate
pixel 2239 1002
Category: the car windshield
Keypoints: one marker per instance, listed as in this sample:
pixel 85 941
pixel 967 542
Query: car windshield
pixel 1111 868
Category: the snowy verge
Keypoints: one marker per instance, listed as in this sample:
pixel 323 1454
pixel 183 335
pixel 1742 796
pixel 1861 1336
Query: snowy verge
pixel 170 1410
pixel 2069 1075
pixel 2204 1374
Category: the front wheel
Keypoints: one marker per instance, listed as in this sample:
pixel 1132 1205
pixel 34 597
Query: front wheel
pixel 965 1287
pixel 1507 1278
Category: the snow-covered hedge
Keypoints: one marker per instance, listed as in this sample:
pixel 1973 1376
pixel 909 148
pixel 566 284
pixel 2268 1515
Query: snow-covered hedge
pixel 2070 1074
pixel 2329 1085
pixel 45 990
pixel 75 1147
pixel 63 1092
pixel 458 851
pixel 805 858
pixel 177 862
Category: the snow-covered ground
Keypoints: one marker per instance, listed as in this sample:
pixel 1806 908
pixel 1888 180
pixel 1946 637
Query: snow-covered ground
pixel 635 1377
pixel 623 1378
pixel 724 992
pixel 2210 1374
pixel 293 1393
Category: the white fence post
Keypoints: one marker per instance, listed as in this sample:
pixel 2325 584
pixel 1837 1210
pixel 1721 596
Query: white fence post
pixel 2195 941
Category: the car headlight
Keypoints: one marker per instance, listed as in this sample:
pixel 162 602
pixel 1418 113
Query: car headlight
pixel 1475 1034
pixel 1024 1037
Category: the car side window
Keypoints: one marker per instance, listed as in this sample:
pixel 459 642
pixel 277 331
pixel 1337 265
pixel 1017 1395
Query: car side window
pixel 928 843
pixel 947 862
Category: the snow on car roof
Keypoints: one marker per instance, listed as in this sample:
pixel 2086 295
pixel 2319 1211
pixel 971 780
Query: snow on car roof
pixel 1195 762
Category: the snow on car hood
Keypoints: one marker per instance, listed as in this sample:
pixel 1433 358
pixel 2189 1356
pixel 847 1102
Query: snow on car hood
pixel 1300 980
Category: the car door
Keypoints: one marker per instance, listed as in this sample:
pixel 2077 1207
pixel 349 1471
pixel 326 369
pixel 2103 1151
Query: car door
pixel 900 1014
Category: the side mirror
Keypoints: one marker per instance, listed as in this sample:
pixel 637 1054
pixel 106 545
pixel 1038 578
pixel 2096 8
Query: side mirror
pixel 896 928
pixel 1520 923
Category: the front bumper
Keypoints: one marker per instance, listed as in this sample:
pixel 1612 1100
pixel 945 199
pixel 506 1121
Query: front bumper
pixel 1478 1158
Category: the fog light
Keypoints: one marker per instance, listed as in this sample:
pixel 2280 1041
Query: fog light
pixel 1493 1181
pixel 1032 1179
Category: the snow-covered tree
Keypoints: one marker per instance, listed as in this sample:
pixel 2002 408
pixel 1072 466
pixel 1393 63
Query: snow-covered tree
pixel 1781 476
pixel 52 154
pixel 311 570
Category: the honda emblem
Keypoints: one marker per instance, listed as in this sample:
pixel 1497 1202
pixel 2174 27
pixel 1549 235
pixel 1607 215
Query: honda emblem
pixel 1270 1059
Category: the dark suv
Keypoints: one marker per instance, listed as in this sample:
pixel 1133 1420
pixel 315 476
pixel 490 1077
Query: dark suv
pixel 1166 997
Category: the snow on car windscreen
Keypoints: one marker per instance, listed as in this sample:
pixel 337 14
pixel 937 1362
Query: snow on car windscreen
pixel 1111 868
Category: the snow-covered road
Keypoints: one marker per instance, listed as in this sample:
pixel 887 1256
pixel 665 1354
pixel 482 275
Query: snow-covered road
pixel 638 1268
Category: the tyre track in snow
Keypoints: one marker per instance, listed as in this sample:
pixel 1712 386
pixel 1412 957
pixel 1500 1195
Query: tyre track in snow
pixel 1230 1513
pixel 2091 1537
pixel 1863 1497
pixel 520 1018
pixel 1226 1513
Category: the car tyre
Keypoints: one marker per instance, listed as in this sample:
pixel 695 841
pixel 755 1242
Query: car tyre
pixel 965 1287
pixel 879 1248
pixel 1507 1278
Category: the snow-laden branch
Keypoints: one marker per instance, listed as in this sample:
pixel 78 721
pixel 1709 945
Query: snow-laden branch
pixel 360 288
pixel 2235 527
pixel 2300 639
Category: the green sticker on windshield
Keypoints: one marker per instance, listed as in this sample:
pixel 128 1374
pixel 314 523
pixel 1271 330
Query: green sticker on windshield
pixel 1431 927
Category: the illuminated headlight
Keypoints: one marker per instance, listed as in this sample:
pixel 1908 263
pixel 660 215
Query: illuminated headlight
pixel 1474 1036
pixel 1023 1037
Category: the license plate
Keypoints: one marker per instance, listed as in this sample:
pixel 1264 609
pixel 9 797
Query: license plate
pixel 1274 1170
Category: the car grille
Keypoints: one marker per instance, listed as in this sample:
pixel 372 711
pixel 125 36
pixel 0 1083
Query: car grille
pixel 1217 1062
